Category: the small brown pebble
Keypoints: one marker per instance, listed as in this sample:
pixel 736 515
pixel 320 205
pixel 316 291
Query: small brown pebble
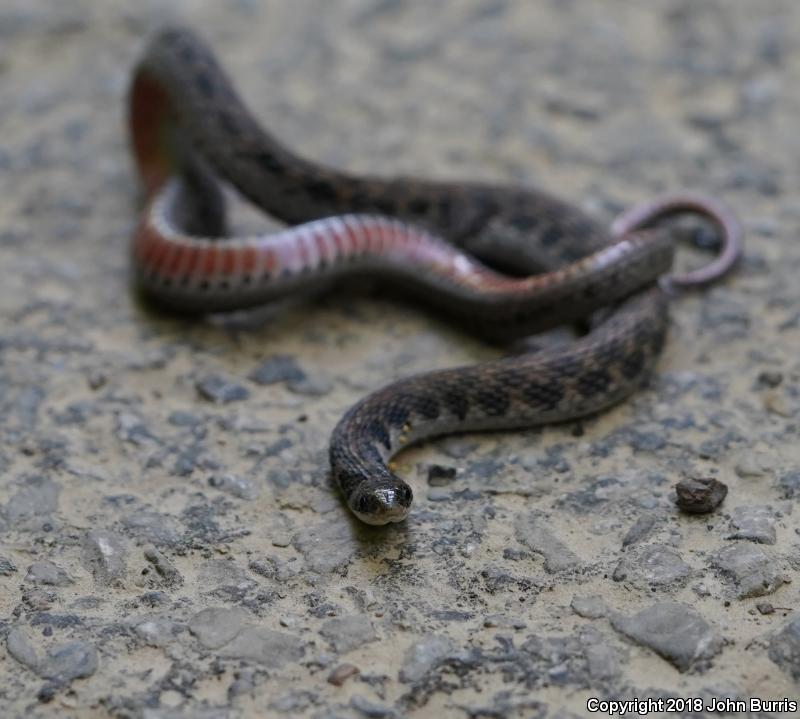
pixel 778 404
pixel 342 673
pixel 700 496
pixel 765 608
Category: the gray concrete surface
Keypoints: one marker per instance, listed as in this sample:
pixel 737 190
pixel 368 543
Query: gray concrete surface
pixel 163 555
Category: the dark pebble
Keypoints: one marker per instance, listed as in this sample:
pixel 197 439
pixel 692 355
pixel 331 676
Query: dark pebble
pixel 770 378
pixel 153 599
pixel 439 475
pixel 647 441
pixel 96 380
pixel 7 567
pixel 705 238
pixel 640 529
pixel 219 389
pixel 515 555
pixel 180 418
pixel 279 368
pixel 700 496
pixel 48 691
pixel 790 484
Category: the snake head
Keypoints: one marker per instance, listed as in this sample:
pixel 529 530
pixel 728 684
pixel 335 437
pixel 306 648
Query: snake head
pixel 383 503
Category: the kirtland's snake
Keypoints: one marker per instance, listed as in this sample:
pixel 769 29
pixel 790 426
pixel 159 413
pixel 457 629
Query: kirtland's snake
pixel 189 130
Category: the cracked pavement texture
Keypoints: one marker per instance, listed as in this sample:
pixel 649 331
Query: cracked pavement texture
pixel 170 545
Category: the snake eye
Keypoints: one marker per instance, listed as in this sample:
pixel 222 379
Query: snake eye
pixel 363 504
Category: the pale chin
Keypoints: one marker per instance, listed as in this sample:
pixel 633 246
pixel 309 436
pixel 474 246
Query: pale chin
pixel 395 515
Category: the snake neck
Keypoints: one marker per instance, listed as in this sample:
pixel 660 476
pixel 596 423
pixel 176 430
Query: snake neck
pixel 557 385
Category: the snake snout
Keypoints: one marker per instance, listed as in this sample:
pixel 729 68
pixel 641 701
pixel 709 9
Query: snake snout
pixel 385 504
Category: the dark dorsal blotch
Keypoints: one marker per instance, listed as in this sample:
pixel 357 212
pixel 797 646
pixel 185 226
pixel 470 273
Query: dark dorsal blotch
pixel 186 50
pixel 551 236
pixel 427 406
pixel 594 381
pixel 543 395
pixel 205 84
pixel 590 291
pixel 385 205
pixel 526 221
pixel 632 363
pixel 173 36
pixel 322 189
pixel 657 342
pixel 419 206
pixel 268 161
pixel 397 410
pixel 493 400
pixel 584 228
pixel 228 122
pixel 456 402
pixel 377 432
pixel 570 367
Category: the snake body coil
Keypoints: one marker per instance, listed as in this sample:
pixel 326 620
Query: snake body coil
pixel 442 242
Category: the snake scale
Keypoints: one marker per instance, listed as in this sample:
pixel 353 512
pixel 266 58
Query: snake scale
pixel 505 261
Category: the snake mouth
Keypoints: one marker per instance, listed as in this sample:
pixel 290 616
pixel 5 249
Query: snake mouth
pixel 383 505
pixel 397 514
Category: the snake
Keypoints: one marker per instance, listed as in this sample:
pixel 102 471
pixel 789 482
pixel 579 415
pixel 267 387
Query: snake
pixel 504 261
